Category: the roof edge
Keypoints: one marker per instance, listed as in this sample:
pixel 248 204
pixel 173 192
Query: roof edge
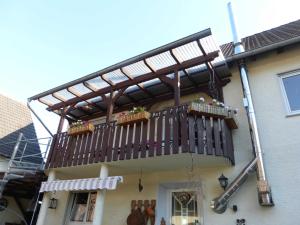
pixel 263 49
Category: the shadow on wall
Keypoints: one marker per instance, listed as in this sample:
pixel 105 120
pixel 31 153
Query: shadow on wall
pixel 30 147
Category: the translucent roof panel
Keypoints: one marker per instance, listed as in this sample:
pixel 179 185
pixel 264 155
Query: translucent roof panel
pixel 79 89
pixel 136 69
pixel 209 45
pixel 132 88
pixel 115 76
pixel 150 82
pixel 64 94
pixel 81 104
pixel 49 100
pixel 187 51
pixel 161 61
pixel 196 69
pixel 96 99
pixel 140 71
pixel 97 83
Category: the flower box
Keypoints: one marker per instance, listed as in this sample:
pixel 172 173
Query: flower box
pixel 207 110
pixel 133 118
pixel 215 111
pixel 81 129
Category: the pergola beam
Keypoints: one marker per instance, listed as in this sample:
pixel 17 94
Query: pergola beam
pixel 154 72
pixel 72 105
pixel 149 54
pixel 184 70
pixel 139 85
pixel 142 78
pixel 148 101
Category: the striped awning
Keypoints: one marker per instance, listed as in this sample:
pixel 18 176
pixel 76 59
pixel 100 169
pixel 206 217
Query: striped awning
pixel 89 184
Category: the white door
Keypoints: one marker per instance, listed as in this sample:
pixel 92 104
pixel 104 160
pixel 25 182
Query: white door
pixel 184 208
pixel 82 208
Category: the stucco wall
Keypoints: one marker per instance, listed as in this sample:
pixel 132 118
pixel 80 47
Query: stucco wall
pixel 3 164
pixel 12 214
pixel 280 142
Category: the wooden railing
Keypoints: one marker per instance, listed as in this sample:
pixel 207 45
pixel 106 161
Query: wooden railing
pixel 170 131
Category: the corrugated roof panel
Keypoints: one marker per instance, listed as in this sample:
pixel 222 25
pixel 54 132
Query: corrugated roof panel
pixel 49 100
pixel 115 76
pixel 150 82
pixel 196 69
pixel 209 45
pixel 98 83
pixel 96 99
pixel 161 61
pixel 64 94
pixel 136 69
pixel 80 104
pixel 187 52
pixel 79 89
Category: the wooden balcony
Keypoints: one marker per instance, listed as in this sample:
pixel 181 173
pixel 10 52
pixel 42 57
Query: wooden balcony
pixel 170 131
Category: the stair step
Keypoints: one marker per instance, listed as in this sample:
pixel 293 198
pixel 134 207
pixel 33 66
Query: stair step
pixel 14 176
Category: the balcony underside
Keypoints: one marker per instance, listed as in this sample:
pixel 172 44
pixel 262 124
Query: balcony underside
pixel 169 132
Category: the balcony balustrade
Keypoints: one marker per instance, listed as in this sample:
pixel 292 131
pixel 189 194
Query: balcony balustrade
pixel 167 132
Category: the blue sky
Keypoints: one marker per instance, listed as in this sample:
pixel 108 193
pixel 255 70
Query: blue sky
pixel 46 43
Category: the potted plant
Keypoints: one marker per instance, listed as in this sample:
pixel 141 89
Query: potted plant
pixel 137 114
pixel 80 127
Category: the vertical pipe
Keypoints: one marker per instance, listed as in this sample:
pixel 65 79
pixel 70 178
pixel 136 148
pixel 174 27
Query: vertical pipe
pixel 264 192
pixel 238 47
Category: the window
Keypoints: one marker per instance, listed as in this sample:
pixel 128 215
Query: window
pixel 184 208
pixel 290 84
pixel 83 207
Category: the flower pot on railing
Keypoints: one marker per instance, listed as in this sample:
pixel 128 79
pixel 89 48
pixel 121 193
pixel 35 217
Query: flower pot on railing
pixel 136 115
pixel 214 109
pixel 80 128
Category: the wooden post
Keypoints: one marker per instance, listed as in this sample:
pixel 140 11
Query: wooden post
pixel 61 122
pixel 111 101
pixel 176 86
pixel 110 107
pixel 63 114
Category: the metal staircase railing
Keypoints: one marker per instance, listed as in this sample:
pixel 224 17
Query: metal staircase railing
pixel 22 163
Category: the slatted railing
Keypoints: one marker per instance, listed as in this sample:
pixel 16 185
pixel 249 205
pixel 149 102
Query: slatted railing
pixel 170 131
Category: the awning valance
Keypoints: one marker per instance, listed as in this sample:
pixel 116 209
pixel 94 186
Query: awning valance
pixel 89 184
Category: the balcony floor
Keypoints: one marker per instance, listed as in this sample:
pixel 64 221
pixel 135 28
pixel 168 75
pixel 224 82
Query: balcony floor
pixel 153 164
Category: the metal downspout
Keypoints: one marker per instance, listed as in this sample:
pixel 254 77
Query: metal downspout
pixel 39 119
pixel 219 204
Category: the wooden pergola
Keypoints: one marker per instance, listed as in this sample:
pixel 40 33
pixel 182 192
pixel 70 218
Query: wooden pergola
pixel 188 65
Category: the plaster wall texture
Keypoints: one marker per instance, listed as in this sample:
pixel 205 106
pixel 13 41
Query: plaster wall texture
pixel 3 164
pixel 12 214
pixel 280 142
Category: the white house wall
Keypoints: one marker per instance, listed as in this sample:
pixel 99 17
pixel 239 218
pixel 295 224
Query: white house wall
pixel 280 143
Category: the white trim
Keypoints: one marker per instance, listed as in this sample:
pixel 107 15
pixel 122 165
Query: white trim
pixel 69 211
pixel 199 200
pixel 281 76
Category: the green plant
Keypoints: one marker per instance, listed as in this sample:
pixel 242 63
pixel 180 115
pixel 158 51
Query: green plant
pixel 137 110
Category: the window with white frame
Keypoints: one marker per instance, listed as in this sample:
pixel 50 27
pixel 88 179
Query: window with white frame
pixel 290 84
pixel 83 206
